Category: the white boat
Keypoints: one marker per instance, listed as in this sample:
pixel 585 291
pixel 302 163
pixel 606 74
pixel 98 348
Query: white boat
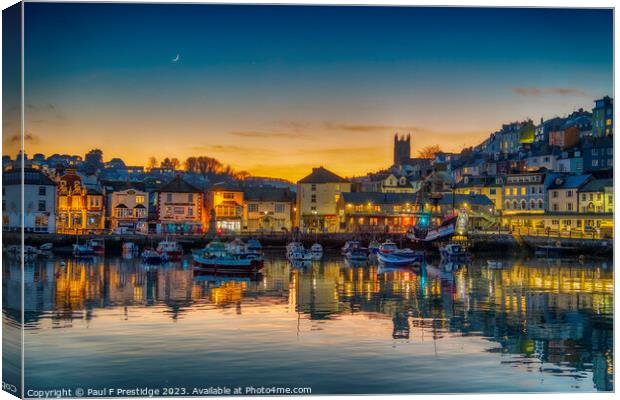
pixel 400 257
pixel 254 245
pixel 316 251
pixel 388 247
pixel 453 251
pixel 171 249
pixel 153 257
pixel 129 249
pixel 349 245
pixel 46 246
pixel 293 247
pixel 357 254
pixel 83 250
pixel 97 245
pixel 301 255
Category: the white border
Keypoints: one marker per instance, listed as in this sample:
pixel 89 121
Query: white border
pixel 457 3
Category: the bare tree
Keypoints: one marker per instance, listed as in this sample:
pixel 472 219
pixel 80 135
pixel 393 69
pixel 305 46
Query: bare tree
pixel 429 151
pixel 152 163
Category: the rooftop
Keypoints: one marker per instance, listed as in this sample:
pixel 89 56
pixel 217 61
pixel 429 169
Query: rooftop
pixel 322 175
pixel 178 185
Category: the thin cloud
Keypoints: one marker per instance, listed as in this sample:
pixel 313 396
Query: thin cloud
pixel 538 92
pixel 340 126
pixel 28 137
pixel 267 135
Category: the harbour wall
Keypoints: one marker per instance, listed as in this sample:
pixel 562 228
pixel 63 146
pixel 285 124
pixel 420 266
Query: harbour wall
pixel 486 242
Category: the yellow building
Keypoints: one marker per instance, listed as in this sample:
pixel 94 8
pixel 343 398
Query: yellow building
pixel 562 193
pixel 317 199
pixel 490 187
pixel 225 208
pixel 80 207
pixel 597 196
pixel 267 209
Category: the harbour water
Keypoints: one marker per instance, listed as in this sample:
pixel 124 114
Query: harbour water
pixel 529 325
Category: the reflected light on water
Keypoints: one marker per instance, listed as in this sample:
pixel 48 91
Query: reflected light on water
pixel 533 325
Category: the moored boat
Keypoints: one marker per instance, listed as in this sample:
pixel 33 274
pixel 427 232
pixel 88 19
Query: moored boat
pixel 387 247
pixel 129 249
pixel 400 257
pixel 98 246
pixel 301 255
pixel 153 257
pixel 554 250
pixel 83 250
pixel 254 246
pixel 171 249
pixel 454 251
pixel 316 251
pixel 293 247
pixel 374 246
pixel 357 254
pixel 217 257
pixel 349 244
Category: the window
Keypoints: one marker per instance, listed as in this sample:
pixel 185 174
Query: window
pixel 523 191
pixel 533 190
pixel 313 187
pixel 492 191
pixel 252 207
pixel 594 152
pixel 583 197
pixel 610 199
pixel 569 193
pixel 279 208
pixel 42 190
pixel 190 211
pixel 540 204
pixel 595 163
pixel 313 198
pixel 598 196
pixel 42 205
pixel 229 196
pixel 514 191
pixel 555 194
pixel 532 204
pixel 523 205
pixel 555 207
pixel 507 191
pixel 139 199
pixel 610 151
pixel 507 204
pixel 169 197
pixel 190 197
pixel 569 207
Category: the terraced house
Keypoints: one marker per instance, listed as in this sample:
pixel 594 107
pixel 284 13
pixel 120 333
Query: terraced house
pixel 81 206
pixel 179 208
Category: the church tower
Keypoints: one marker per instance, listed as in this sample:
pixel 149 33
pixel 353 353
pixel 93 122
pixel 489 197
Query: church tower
pixel 402 149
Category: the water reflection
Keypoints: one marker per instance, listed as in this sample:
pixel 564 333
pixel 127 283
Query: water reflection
pixel 543 317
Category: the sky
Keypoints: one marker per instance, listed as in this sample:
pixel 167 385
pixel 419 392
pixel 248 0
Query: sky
pixel 277 90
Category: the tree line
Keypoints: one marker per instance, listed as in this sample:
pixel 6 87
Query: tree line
pixel 202 165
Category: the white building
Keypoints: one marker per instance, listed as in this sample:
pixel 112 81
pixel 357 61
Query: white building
pixel 39 201
pixel 317 200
